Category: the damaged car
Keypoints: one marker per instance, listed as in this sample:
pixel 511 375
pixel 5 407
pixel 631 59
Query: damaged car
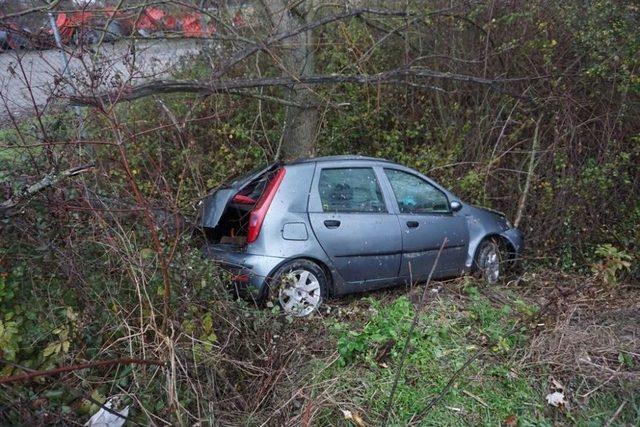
pixel 298 233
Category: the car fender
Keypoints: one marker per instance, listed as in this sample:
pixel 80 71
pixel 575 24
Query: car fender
pixel 484 224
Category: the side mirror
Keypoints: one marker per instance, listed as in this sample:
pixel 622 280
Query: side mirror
pixel 455 206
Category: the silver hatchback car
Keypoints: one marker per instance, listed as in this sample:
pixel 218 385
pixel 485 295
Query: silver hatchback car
pixel 302 231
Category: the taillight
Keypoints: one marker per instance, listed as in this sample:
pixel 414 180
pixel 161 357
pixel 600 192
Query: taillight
pixel 243 200
pixel 260 210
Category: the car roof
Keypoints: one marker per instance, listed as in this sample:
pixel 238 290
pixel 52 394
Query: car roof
pixel 337 158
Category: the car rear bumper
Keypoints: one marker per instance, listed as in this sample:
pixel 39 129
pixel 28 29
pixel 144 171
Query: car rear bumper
pixel 250 272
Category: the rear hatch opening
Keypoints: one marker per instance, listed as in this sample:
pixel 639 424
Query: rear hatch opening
pixel 233 226
pixel 232 216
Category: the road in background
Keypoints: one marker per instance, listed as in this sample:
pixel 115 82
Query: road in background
pixel 33 81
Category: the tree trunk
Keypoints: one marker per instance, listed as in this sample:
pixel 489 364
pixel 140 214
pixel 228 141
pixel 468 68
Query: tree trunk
pixel 301 123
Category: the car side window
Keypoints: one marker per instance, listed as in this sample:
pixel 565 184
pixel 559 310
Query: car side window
pixel 350 190
pixel 415 195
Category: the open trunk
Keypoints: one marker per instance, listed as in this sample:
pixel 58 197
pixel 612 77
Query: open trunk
pixel 227 211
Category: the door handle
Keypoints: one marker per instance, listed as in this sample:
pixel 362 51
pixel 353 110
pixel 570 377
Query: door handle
pixel 332 223
pixel 412 224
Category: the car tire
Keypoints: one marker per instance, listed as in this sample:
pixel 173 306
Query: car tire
pixel 488 261
pixel 299 287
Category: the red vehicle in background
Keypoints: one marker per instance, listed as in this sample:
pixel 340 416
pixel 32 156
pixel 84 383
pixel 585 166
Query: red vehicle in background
pixel 14 37
pixel 193 25
pixel 153 21
pixel 92 26
pixel 156 22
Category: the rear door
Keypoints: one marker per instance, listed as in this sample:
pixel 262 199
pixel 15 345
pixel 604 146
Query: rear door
pixel 425 221
pixel 351 220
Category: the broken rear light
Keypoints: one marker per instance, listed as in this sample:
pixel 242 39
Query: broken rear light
pixel 260 211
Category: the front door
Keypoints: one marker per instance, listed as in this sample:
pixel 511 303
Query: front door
pixel 351 221
pixel 425 221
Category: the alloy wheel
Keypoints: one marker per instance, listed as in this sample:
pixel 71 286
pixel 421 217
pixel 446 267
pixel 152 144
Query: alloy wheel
pixel 491 265
pixel 299 293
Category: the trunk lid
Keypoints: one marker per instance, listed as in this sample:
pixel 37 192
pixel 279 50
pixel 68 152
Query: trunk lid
pixel 215 203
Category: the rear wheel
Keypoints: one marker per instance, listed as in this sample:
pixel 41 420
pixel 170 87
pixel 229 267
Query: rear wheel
pixel 488 261
pixel 299 287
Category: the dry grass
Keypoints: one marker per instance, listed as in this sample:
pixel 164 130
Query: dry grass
pixel 266 370
pixel 588 337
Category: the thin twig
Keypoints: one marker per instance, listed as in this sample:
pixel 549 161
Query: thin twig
pixel 63 369
pixel 411 328
pixel 615 414
pixel 454 377
pixel 476 398
pixel 532 165
pixel 74 391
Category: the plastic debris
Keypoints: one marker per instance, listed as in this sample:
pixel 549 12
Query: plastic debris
pixel 556 399
pixel 104 418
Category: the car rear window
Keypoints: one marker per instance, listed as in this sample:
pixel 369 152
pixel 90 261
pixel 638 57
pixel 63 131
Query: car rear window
pixel 350 190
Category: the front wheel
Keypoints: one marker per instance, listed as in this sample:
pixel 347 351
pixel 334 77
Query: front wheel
pixel 488 260
pixel 299 287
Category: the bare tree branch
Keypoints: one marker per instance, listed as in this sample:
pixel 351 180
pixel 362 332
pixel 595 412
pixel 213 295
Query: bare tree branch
pixel 46 182
pixel 245 53
pixel 220 86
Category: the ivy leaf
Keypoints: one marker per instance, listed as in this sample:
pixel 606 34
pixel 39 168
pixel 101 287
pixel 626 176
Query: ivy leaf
pixel 207 323
pixel 147 253
pixel 51 349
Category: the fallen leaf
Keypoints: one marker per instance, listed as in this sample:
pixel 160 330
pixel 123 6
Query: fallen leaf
pixel 384 350
pixel 511 421
pixel 353 417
